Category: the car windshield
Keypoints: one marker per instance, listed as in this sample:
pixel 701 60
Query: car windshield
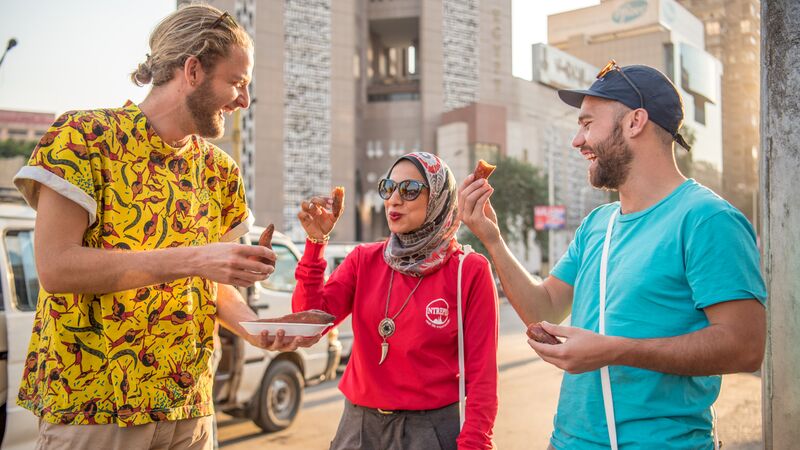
pixel 283 277
pixel 19 245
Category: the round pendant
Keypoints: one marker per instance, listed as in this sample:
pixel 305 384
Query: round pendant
pixel 386 327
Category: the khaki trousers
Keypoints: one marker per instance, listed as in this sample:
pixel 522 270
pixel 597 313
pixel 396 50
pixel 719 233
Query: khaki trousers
pixel 188 434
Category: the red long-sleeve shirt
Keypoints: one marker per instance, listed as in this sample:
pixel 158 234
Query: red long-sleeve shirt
pixel 421 369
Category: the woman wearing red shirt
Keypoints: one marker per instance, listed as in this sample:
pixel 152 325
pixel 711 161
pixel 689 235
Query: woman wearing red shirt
pixel 401 384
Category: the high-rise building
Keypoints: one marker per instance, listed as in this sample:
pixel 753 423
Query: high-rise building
pixel 733 35
pixel 664 35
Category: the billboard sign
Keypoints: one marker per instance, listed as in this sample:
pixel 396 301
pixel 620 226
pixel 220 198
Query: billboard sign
pixel 549 217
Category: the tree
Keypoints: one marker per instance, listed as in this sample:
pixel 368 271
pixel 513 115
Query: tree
pixel 11 148
pixel 518 187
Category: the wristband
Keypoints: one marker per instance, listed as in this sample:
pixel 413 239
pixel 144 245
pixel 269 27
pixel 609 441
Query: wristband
pixel 324 240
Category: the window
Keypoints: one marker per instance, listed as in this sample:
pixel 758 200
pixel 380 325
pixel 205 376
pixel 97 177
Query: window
pixel 744 25
pixel 19 245
pixel 283 277
pixel 712 28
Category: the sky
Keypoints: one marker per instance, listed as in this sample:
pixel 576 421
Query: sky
pixel 78 54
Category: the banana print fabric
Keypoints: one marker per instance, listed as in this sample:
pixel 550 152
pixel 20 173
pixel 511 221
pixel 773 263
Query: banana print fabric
pixel 142 355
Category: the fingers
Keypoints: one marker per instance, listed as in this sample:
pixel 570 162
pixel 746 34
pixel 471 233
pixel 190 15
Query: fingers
pixel 472 195
pixel 482 202
pixel 239 282
pixel 305 218
pixel 261 269
pixel 265 340
pixel 468 189
pixel 548 352
pixel 282 343
pixel 558 330
pixel 308 341
pixel 257 251
pixel 322 202
pixel 467 181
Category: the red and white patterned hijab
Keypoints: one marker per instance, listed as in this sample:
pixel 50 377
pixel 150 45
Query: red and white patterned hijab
pixel 424 250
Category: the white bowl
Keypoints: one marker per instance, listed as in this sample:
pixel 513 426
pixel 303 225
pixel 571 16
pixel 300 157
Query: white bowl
pixel 290 329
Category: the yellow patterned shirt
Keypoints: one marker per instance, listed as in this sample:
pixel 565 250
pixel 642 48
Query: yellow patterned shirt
pixel 142 355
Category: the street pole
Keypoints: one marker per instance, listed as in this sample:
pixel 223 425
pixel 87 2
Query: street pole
pixel 780 220
pixel 11 44
pixel 551 200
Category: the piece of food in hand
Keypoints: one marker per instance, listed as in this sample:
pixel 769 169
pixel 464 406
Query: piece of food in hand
pixel 314 316
pixel 538 334
pixel 338 201
pixel 483 169
pixel 265 240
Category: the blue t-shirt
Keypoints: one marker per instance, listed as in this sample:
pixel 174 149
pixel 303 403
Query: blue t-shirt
pixel 666 263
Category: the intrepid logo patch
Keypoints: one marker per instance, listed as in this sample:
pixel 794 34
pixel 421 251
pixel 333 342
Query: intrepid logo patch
pixel 437 313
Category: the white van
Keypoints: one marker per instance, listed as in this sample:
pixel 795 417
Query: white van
pixel 20 289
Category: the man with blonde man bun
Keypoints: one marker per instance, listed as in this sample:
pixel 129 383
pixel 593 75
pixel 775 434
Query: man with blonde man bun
pixel 137 221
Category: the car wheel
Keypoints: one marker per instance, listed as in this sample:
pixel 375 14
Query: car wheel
pixel 279 397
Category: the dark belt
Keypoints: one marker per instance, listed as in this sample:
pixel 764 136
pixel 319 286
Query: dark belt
pixel 389 412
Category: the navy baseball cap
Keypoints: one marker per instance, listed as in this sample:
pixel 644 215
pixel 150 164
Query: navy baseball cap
pixel 636 87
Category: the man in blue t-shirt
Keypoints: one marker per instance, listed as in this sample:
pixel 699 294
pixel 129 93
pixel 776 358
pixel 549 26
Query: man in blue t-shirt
pixel 664 286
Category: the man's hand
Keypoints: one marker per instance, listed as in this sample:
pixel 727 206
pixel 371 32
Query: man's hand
pixel 732 342
pixel 234 264
pixel 582 351
pixel 475 210
pixel 279 342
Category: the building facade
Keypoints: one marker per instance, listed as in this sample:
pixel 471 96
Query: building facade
pixel 733 35
pixel 24 125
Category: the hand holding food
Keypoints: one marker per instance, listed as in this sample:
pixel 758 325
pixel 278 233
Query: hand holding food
pixel 319 214
pixel 538 334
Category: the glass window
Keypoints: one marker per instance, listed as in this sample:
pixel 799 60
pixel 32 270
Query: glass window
pixel 745 26
pixel 19 246
pixel 283 277
pixel 712 28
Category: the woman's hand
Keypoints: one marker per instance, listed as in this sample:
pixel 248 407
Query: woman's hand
pixel 317 217
pixel 475 210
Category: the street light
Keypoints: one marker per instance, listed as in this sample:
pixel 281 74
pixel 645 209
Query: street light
pixel 11 44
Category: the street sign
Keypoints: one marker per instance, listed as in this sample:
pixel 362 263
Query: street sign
pixel 549 217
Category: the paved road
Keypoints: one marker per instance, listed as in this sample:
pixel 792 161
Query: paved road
pixel 528 393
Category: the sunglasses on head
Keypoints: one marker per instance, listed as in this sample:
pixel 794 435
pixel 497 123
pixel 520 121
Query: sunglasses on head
pixel 223 17
pixel 612 66
pixel 409 189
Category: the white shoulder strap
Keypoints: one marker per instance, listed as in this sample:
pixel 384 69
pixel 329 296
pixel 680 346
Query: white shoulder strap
pixel 461 382
pixel 605 379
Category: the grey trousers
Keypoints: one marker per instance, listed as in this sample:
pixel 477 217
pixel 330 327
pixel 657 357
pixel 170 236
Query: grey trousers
pixel 367 429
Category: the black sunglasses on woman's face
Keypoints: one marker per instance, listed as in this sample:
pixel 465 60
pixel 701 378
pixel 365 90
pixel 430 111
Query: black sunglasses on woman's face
pixel 409 189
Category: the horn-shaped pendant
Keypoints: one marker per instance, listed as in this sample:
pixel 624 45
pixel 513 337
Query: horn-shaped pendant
pixel 384 351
